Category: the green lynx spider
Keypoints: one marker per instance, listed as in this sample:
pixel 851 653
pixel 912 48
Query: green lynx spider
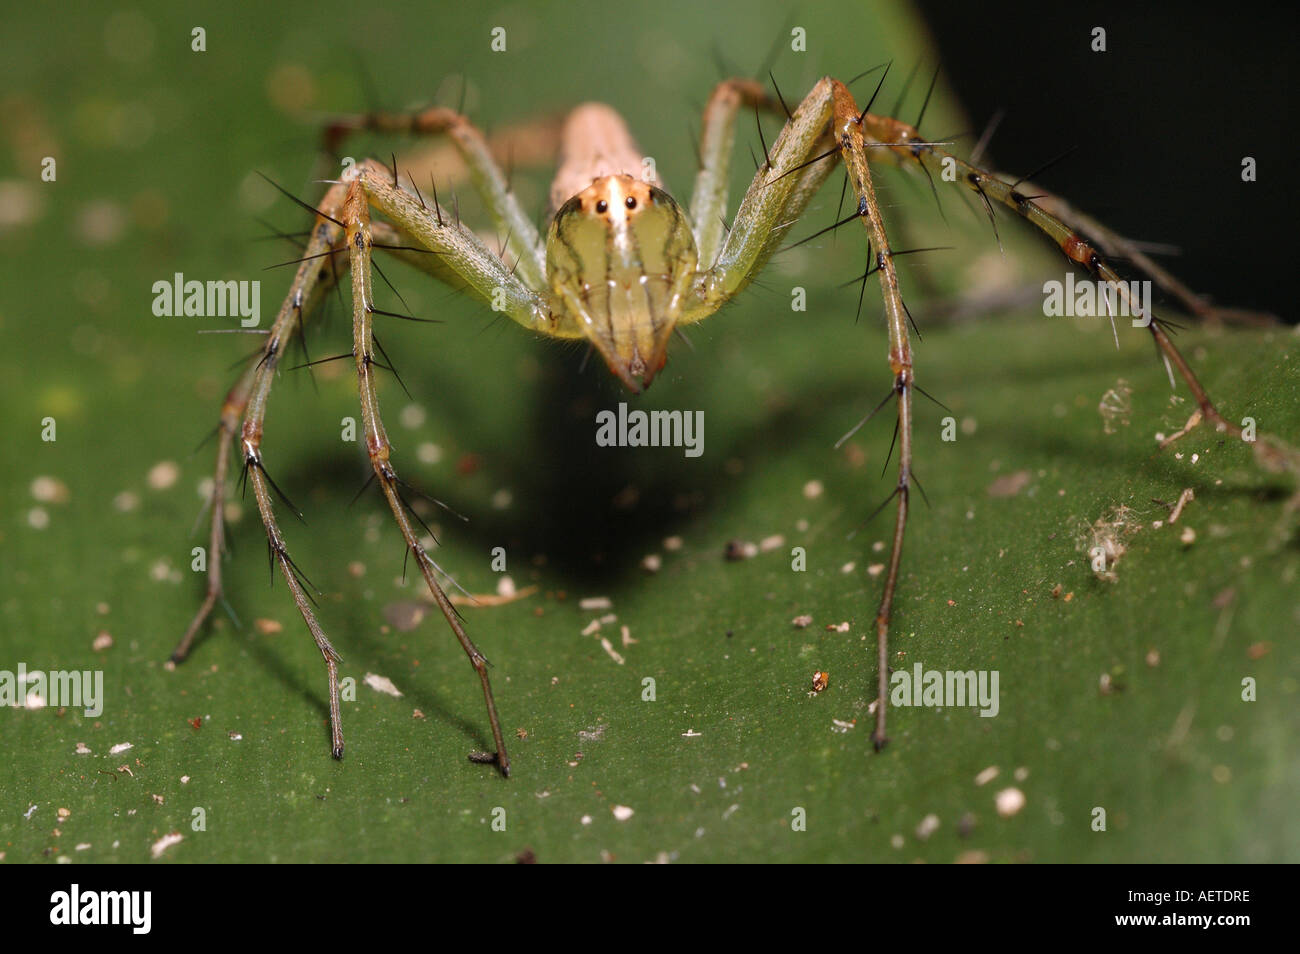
pixel 622 266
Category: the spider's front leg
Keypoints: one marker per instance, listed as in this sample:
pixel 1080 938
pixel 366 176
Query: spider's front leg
pixel 459 255
pixel 824 128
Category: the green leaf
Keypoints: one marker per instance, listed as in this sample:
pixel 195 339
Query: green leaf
pixel 735 746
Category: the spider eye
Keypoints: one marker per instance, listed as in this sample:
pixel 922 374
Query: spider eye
pixel 602 206
pixel 630 202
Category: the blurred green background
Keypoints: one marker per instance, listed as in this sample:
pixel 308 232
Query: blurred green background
pixel 157 148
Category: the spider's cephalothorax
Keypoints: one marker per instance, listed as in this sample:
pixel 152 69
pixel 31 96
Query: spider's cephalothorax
pixel 619 257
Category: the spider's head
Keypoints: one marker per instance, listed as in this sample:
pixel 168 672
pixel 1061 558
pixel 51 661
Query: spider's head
pixel 620 256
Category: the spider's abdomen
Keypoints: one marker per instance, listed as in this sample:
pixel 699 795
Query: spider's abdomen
pixel 620 257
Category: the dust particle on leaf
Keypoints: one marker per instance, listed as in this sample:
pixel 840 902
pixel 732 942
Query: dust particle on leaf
pixel 1009 485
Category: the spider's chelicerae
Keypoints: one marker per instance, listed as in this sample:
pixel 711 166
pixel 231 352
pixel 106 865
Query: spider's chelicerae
pixel 622 266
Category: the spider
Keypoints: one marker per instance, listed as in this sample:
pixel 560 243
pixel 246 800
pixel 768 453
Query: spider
pixel 623 266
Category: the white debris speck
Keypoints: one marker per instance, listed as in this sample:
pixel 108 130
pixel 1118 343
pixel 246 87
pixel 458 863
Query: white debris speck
pixel 1188 536
pixel 28 814
pixel 927 826
pixel 625 633
pixel 236 736
pixel 672 544
pixel 585 819
pixel 49 490
pixel 802 622
pixel 82 749
pixel 840 726
pixel 126 501
pixel 1009 801
pixel 593 603
pixel 606 645
pixel 502 499
pixel 411 416
pixel 691 734
pixel 506 587
pixel 875 569
pixel 163 475
pixel 103 640
pixel 382 684
pixel 897 842
pixel 185 780
pixel 731 810
pixel 988 775
pixel 121 747
pixel 848 567
pixel 38 518
pixel 622 812
pixel 428 453
pixel 813 489
pixel 774 542
pixel 1021 773
pixel 83 846
pixel 652 562
pixel 165 842
pixel 591 628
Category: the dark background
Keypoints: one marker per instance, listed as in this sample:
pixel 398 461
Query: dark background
pixel 1234 236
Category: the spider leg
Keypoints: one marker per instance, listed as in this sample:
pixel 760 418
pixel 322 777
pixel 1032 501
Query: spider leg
pixel 454 248
pixel 825 128
pixel 1115 245
pixel 232 411
pixel 907 145
pixel 232 408
pixel 250 396
pixel 486 173
pixel 717 138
